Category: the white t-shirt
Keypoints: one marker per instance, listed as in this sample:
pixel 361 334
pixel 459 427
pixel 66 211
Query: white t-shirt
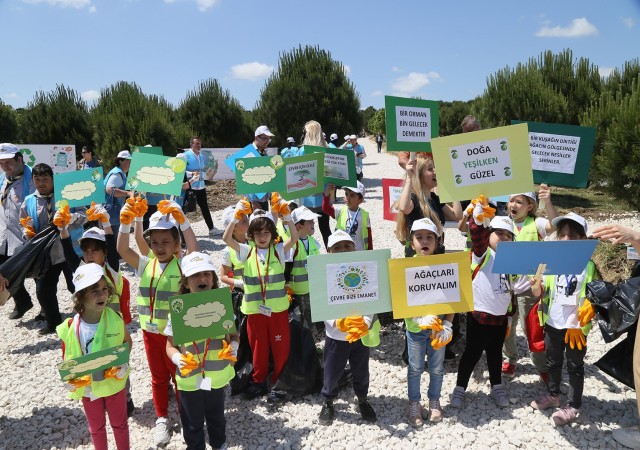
pixel 491 291
pixel 333 332
pixel 353 225
pixel 168 329
pixel 142 264
pixel 262 253
pixel 116 181
pixel 522 283
pixel 86 335
pixel 564 308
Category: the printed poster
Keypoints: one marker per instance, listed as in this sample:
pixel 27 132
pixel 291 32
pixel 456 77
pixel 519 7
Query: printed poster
pixel 304 176
pixel 487 162
pixel 78 188
pixel 349 284
pixel 201 315
pixel 411 123
pixel 61 158
pixel 560 154
pixel 156 174
pixel 94 362
pixel 391 191
pixel 437 284
pixel 339 165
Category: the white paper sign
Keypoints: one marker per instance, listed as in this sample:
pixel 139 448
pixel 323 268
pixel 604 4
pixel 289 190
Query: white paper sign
pixel 554 152
pixel 394 194
pixel 431 285
pixel 352 282
pixel 336 166
pixel 302 175
pixel 413 124
pixel 481 162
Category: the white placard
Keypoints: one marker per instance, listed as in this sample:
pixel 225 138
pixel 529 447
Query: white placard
pixel 481 162
pixel 336 166
pixel 431 285
pixel 554 152
pixel 352 282
pixel 394 194
pixel 413 124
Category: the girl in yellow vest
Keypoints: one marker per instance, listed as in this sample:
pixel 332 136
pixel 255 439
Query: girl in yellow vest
pixel 566 316
pixel 527 227
pixel 231 269
pixel 96 327
pixel 265 300
pixel 202 388
pixel 159 279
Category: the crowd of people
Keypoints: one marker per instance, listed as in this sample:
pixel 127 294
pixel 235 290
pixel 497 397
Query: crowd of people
pixel 268 241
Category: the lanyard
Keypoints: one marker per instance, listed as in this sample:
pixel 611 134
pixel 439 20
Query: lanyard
pixel 571 284
pixel 353 221
pixel 263 286
pixel 204 353
pixel 152 291
pixel 306 247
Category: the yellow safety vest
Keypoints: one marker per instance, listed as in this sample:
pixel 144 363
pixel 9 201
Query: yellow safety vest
pixel 341 224
pixel 272 279
pixel 218 370
pixel 236 265
pixel 528 231
pixel 162 284
pixel 299 282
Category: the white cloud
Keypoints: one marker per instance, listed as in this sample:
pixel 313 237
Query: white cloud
pixel 92 9
pixel 605 71
pixel 578 28
pixel 202 5
pixel 412 83
pixel 347 69
pixel 629 22
pixel 251 71
pixel 90 96
pixel 78 4
pixel 396 69
pixel 377 93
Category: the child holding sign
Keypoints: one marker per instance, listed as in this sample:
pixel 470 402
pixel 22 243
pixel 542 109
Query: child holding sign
pixel 488 323
pixel 232 269
pixel 428 334
pixel 265 300
pixel 566 316
pixel 349 340
pixel 96 327
pixel 202 385
pixel 352 219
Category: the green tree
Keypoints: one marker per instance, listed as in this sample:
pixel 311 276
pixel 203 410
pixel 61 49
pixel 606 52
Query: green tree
pixel 367 114
pixel 8 123
pixel 215 116
pixel 451 115
pixel 377 123
pixel 308 85
pixel 621 80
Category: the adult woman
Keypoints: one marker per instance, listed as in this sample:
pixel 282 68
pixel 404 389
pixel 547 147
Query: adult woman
pixel 88 160
pixel 114 186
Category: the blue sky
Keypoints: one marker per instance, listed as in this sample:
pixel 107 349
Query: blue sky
pixel 437 50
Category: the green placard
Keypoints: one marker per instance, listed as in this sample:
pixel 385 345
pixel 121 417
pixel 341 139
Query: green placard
pixel 155 173
pixel 201 315
pixel 560 154
pixel 78 188
pixel 144 149
pixel 94 362
pixel 291 177
pixel 487 162
pixel 411 123
pixel 349 284
pixel 339 165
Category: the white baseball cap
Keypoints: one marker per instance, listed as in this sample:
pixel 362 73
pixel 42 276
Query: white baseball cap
pixel 571 216
pixel 86 275
pixel 260 213
pixel 333 137
pixel 359 189
pixel 353 136
pixel 290 139
pixel 502 223
pixel 425 224
pixel 263 129
pixel 8 151
pixel 159 221
pixel 346 138
pixel 531 195
pixel 196 262
pixel 93 233
pixel 303 213
pixel 338 236
pixel 124 154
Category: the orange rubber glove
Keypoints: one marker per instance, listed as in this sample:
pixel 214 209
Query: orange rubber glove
pixel 429 322
pixel 442 337
pixel 243 208
pixel 79 382
pixel 575 338
pixel 141 206
pixel 357 332
pixel 98 212
pixel 27 225
pixel 191 364
pixel 62 217
pixel 586 313
pixel 127 213
pixel 171 207
pixel 227 352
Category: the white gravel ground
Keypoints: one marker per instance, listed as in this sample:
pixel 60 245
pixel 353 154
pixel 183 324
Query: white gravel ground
pixel 34 413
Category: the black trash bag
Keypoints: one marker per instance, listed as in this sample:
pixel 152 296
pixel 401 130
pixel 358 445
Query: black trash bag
pixel 616 306
pixel 618 362
pixel 32 260
pixel 244 363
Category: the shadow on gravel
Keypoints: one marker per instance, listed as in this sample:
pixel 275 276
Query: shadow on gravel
pixel 479 410
pixel 250 430
pixel 52 343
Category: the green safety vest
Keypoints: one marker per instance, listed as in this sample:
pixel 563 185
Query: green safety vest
pixel 236 265
pixel 549 289
pixel 114 280
pixel 528 231
pixel 299 276
pixel 372 339
pixel 110 333
pixel 283 232
pixel 341 224
pixel 165 284
pixel 276 296
pixel 220 371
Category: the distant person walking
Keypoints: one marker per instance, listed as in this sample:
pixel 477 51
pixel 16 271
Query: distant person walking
pixel 379 141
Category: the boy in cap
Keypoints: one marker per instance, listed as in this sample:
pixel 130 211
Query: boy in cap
pixel 352 219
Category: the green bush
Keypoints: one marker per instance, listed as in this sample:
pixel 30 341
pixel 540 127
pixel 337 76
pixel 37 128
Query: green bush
pixel 8 123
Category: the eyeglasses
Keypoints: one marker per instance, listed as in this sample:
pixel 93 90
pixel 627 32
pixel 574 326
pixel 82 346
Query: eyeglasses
pixel 263 137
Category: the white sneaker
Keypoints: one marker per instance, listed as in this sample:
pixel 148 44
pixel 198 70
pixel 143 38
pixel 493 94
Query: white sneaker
pixel 161 432
pixel 215 232
pixel 629 437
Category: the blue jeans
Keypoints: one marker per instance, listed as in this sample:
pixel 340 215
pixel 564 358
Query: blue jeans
pixel 417 345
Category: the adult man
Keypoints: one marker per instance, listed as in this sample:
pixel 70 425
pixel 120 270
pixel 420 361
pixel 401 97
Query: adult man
pixel 195 177
pixel 379 141
pixel 290 150
pixel 15 184
pixel 88 160
pixel 359 153
pixel 262 137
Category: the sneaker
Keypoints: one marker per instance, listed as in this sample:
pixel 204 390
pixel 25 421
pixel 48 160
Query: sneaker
pixel 544 378
pixel 629 437
pixel 161 432
pixel 546 401
pixel 415 414
pixel 276 397
pixel 564 415
pixel 130 408
pixel 457 398
pixel 47 329
pixel 215 232
pixel 255 390
pixel 435 411
pixel 508 369
pixel 366 411
pixel 499 395
pixel 327 413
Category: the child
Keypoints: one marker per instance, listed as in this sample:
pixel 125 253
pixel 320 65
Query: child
pixel 488 323
pixel 341 345
pixel 562 313
pixel 96 327
pixel 231 268
pixel 527 227
pixel 159 279
pixel 36 213
pixel 352 219
pixel 202 389
pixel 265 300
pixel 427 334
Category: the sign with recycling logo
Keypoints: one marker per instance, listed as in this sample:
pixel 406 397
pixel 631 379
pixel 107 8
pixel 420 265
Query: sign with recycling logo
pixel 78 188
pixel 488 162
pixel 155 173
pixel 61 158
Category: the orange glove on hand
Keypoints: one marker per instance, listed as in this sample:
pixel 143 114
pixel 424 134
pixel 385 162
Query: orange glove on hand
pixel 79 382
pixel 357 331
pixel 279 205
pixel 171 207
pixel 575 338
pixel 243 208
pixel 62 217
pixel 98 212
pixel 141 206
pixel 442 337
pixel 117 372
pixel 27 225
pixel 227 352
pixel 127 213
pixel 429 322
pixel 190 364
pixel 586 313
pixel 482 212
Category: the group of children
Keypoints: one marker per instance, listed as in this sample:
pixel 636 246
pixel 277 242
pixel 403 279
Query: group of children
pixel 260 243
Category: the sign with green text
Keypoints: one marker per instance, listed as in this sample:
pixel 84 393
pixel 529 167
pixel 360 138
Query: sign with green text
pixel 78 188
pixel 94 362
pixel 156 173
pixel 411 123
pixel 339 165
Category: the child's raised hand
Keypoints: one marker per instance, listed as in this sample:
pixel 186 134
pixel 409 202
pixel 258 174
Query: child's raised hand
pixel 141 206
pixel 171 207
pixel 243 208
pixel 329 189
pixel 98 212
pixel 586 313
pixel 544 193
pixel 62 218
pixel 575 338
pixel 127 213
